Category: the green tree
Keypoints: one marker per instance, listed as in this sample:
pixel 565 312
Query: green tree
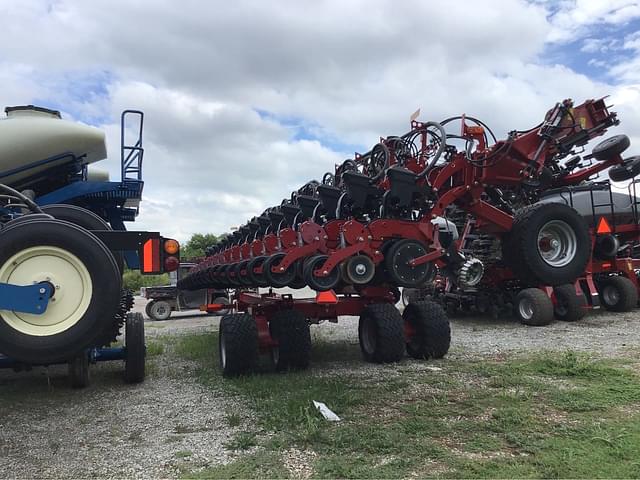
pixel 197 244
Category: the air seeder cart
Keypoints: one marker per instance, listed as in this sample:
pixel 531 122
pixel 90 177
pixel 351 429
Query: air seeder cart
pixel 61 263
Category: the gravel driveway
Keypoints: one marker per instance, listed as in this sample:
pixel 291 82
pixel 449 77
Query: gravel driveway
pixel 170 424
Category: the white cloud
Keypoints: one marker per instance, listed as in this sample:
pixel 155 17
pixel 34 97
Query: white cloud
pixel 350 71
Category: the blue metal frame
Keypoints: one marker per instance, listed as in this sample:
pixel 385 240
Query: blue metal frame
pixel 95 355
pixel 25 299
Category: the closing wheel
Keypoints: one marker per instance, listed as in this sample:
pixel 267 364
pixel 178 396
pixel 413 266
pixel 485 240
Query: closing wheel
pixel 397 262
pixel 298 281
pixel 381 333
pixel 241 273
pixel 87 287
pixel 79 371
pixel 569 306
pixel 135 350
pixel 237 344
pixel 549 244
pixel 291 330
pixel 630 168
pixel 316 282
pixel 257 279
pixel 159 310
pixel 617 293
pixel 279 278
pixel 360 270
pixel 534 307
pixel 431 332
pixel 611 147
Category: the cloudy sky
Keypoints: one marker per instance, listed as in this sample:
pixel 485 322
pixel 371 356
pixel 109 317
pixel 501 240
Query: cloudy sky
pixel 247 100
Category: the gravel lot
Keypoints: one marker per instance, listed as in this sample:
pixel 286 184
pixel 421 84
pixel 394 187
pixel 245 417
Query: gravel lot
pixel 171 424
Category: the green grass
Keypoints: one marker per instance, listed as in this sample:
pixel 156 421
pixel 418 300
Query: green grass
pixel 546 415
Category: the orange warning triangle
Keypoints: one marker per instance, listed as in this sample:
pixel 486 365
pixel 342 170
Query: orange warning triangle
pixel 603 226
pixel 326 297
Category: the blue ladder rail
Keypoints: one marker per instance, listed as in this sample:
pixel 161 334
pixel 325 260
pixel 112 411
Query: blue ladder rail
pixel 131 155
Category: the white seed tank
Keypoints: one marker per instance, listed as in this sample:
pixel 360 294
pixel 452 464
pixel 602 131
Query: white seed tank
pixel 31 137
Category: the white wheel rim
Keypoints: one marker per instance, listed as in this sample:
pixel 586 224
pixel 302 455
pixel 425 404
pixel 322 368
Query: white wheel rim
pixel 557 243
pixel 72 285
pixel 525 308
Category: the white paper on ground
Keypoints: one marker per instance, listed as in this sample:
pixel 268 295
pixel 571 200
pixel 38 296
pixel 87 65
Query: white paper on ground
pixel 326 412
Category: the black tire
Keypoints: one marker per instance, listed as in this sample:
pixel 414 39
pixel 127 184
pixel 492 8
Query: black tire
pixel 147 309
pixel 159 310
pixel 611 147
pixel 101 307
pixel 569 306
pixel 533 307
pixel 522 249
pixel 79 371
pixel 432 336
pixel 319 284
pixel 83 218
pixel 381 333
pixel 291 329
pixel 629 169
pixel 278 279
pixel 606 247
pixel 359 270
pixel 398 269
pixel 237 344
pixel 135 349
pixel 617 293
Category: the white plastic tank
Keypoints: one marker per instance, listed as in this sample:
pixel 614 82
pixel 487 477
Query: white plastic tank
pixel 30 137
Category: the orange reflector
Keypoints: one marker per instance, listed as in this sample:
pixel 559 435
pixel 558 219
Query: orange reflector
pixel 171 247
pixel 326 297
pixel 151 256
pixel 603 226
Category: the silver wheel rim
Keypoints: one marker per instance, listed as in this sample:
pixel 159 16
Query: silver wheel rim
pixel 525 307
pixel 223 351
pixel 557 243
pixel 160 309
pixel 611 295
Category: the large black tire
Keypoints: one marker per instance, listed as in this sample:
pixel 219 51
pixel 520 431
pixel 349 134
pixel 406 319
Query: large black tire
pixel 617 293
pixel 533 307
pixel 381 333
pixel 432 336
pixel 83 218
pixel 291 329
pixel 79 371
pixel 534 258
pixel 134 361
pixel 74 330
pixel 569 306
pixel 238 344
pixel 159 310
pixel 147 309
pixel 611 147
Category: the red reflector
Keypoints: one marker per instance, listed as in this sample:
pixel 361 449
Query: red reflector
pixel 151 256
pixel 606 265
pixel 603 226
pixel 171 264
pixel 326 297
